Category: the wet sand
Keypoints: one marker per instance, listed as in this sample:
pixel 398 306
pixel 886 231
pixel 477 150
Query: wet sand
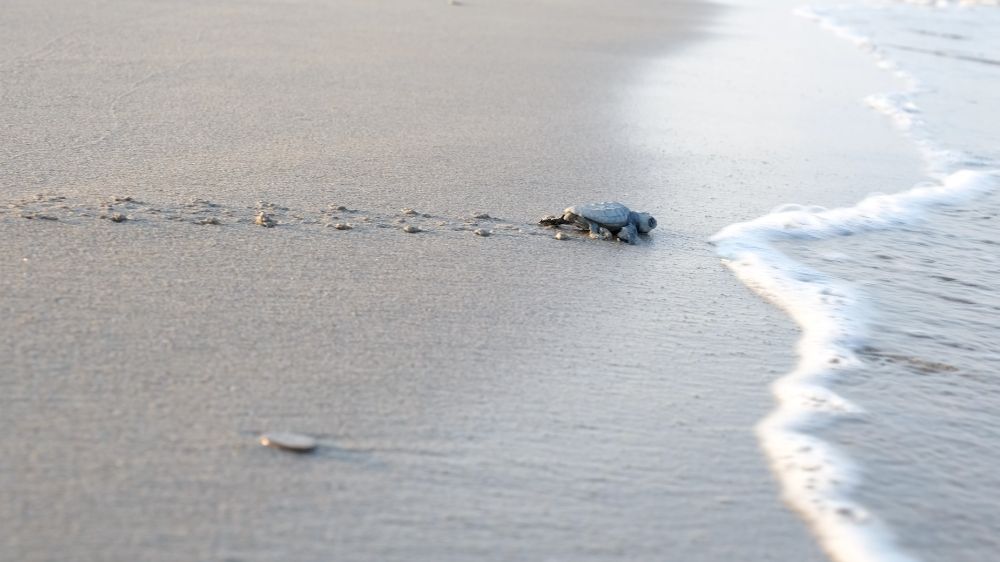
pixel 508 397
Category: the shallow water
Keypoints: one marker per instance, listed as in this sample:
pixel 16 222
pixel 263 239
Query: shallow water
pixel 902 294
pixel 928 385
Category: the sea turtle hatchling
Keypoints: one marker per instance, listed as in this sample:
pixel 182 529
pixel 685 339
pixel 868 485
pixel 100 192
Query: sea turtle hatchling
pixel 605 220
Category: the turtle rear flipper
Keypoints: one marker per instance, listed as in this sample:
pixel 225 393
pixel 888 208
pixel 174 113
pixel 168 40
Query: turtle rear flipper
pixel 552 220
pixel 599 231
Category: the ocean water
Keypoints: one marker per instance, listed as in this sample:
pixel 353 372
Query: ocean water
pixel 884 436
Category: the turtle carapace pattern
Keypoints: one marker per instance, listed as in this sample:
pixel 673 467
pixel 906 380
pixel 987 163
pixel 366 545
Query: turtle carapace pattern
pixel 605 220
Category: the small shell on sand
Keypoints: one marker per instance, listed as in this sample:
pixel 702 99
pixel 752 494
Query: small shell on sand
pixel 481 232
pixel 409 212
pixel 561 236
pixel 411 229
pixel 341 226
pixel 264 219
pixel 116 217
pixel 294 442
pixel 209 220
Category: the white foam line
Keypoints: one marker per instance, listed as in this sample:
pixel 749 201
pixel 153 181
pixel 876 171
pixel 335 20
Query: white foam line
pixel 817 479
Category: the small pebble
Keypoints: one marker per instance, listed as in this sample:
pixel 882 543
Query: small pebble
pixel 294 442
pixel 209 220
pixel 264 219
pixel 117 217
pixel 482 216
pixel 411 229
pixel 342 226
pixel 561 236
pixel 338 207
pixel 481 232
pixel 409 212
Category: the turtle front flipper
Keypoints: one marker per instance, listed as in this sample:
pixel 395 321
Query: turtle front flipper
pixel 628 233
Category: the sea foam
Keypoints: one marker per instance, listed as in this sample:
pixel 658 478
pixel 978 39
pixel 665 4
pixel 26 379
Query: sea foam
pixel 816 478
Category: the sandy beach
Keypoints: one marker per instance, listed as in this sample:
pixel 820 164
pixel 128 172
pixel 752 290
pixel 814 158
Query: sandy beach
pixel 508 397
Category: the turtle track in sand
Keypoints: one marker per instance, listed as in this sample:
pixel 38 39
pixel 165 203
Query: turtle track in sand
pixel 333 218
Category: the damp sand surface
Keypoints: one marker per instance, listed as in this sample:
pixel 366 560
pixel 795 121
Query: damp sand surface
pixel 473 398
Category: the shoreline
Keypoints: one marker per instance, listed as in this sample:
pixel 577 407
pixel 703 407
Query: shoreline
pixel 474 398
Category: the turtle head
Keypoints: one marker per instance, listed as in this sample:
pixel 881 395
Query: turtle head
pixel 644 222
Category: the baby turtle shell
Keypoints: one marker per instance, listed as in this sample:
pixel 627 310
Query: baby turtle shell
pixel 606 213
